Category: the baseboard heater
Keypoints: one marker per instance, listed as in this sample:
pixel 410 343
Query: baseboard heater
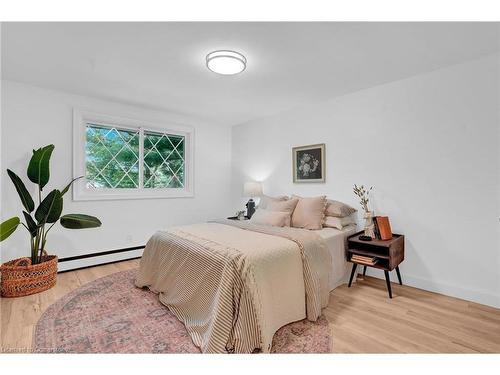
pixel 100 254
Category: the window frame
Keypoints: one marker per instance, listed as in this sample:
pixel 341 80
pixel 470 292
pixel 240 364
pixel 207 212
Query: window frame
pixel 80 191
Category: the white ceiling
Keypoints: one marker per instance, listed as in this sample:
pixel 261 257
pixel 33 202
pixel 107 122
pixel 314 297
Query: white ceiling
pixel 161 65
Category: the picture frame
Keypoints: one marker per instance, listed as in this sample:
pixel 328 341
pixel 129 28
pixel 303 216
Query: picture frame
pixel 308 163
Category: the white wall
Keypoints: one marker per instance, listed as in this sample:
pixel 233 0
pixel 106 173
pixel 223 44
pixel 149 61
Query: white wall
pixel 33 117
pixel 429 146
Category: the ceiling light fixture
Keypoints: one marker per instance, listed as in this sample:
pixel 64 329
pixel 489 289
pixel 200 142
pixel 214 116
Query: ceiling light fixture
pixel 226 62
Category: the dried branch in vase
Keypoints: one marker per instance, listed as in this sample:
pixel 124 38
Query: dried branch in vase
pixel 363 195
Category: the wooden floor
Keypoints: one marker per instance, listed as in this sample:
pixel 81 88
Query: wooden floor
pixel 362 318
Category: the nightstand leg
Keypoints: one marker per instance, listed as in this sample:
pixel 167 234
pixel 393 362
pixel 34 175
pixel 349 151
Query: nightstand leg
pixel 399 275
pixel 364 271
pixel 354 265
pixel 388 282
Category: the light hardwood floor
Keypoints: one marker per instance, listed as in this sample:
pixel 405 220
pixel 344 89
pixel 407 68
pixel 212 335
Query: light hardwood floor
pixel 363 319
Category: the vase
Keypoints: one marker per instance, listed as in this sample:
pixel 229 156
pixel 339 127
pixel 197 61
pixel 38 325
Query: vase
pixel 369 226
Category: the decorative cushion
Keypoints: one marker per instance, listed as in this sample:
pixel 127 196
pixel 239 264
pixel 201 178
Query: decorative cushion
pixel 309 212
pixel 282 206
pixel 338 209
pixel 338 222
pixel 265 199
pixel 273 218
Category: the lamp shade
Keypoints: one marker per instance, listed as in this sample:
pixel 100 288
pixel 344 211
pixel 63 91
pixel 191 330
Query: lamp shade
pixel 252 189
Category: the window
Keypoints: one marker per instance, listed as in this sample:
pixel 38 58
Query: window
pixel 121 158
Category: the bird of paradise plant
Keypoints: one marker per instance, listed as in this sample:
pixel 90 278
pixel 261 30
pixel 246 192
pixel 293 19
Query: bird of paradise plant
pixel 39 222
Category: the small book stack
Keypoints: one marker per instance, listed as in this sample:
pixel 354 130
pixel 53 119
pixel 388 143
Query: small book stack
pixel 369 261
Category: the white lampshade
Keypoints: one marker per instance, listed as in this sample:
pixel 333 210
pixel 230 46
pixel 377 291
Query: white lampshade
pixel 252 189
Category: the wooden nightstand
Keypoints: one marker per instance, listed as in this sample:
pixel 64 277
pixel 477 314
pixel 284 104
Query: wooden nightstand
pixel 389 253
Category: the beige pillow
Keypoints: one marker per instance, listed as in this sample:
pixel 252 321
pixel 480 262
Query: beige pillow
pixel 265 199
pixel 338 209
pixel 282 206
pixel 309 213
pixel 338 222
pixel 273 218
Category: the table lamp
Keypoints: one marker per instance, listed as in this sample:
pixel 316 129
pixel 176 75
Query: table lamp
pixel 251 189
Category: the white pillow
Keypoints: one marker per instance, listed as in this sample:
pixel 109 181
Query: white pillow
pixel 273 218
pixel 338 222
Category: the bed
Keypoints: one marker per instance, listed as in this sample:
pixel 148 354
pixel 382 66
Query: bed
pixel 336 243
pixel 234 284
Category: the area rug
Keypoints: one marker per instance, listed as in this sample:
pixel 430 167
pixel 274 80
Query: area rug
pixel 111 315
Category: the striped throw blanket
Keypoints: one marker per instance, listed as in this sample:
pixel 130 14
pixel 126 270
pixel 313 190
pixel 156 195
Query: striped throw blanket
pixel 234 284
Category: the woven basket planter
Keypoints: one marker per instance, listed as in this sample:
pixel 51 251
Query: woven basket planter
pixel 21 278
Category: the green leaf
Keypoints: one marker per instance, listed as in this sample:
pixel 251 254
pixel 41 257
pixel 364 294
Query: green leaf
pixel 25 196
pixel 65 190
pixel 79 221
pixel 38 168
pixel 8 227
pixel 50 209
pixel 30 223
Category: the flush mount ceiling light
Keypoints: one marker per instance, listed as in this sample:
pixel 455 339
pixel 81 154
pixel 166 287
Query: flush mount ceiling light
pixel 226 62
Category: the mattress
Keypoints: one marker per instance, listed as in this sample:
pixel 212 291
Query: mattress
pixel 336 242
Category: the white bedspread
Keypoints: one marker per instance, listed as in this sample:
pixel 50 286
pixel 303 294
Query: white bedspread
pixel 336 243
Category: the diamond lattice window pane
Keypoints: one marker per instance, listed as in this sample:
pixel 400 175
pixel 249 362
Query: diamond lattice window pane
pixel 112 157
pixel 163 160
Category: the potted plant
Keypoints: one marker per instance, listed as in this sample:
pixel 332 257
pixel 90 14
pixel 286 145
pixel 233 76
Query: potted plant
pixel 29 275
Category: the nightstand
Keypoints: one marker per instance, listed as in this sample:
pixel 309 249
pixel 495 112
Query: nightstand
pixel 389 255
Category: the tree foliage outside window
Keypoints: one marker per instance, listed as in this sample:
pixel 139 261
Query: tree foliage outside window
pixel 114 159
pixel 163 161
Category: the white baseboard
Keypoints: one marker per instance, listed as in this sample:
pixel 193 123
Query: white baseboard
pixel 97 260
pixel 467 294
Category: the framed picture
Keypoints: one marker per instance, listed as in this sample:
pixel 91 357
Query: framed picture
pixel 309 163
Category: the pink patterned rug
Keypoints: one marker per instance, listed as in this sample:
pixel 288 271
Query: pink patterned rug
pixel 111 315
